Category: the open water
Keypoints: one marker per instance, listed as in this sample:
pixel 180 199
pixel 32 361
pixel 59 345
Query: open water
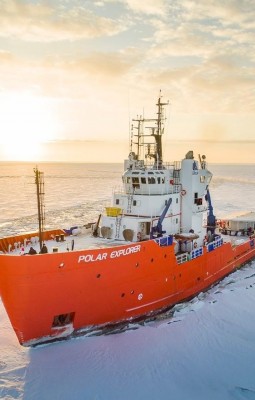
pixel 76 193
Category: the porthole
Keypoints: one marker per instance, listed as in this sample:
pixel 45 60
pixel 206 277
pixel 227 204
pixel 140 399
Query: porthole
pixel 122 294
pixel 98 275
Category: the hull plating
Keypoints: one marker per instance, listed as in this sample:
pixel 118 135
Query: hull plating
pixel 105 286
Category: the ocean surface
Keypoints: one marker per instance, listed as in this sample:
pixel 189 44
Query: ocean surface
pixel 202 349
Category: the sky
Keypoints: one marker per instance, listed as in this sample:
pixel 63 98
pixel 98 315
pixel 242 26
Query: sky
pixel 73 74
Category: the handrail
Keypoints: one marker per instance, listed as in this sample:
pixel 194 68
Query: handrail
pixel 213 245
pixel 196 253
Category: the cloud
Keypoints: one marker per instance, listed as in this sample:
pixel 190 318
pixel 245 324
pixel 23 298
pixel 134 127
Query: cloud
pixel 6 56
pixel 148 7
pixel 46 23
pixel 228 12
pixel 107 65
pixel 203 53
pixel 69 77
pixel 205 27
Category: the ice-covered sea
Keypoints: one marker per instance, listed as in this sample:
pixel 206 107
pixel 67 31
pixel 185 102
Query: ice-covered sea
pixel 202 349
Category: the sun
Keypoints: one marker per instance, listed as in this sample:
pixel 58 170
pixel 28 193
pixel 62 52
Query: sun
pixel 26 121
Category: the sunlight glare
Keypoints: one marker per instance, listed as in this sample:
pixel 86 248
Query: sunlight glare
pixel 25 122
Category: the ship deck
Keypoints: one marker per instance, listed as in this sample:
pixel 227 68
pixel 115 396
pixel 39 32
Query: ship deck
pixel 84 241
pixel 70 243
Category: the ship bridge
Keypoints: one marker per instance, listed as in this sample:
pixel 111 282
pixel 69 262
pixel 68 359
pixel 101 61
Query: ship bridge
pixel 152 181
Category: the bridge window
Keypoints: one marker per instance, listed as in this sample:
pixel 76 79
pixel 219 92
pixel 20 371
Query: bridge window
pixel 135 183
pixel 143 180
pixel 151 180
pixel 135 180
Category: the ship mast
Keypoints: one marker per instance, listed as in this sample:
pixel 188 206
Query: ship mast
pixel 152 150
pixel 39 181
pixel 159 130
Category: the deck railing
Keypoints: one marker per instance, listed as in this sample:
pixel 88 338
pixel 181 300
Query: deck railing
pixel 196 253
pixel 213 245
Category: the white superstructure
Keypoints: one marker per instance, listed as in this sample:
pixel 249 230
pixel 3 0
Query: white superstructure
pixel 158 197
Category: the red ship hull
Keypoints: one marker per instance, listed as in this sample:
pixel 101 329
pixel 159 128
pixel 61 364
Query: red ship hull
pixel 93 288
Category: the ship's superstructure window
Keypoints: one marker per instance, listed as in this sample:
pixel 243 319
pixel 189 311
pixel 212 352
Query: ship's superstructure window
pixel 197 200
pixel 134 202
pixel 135 183
pixel 117 201
pixel 151 180
pixel 145 178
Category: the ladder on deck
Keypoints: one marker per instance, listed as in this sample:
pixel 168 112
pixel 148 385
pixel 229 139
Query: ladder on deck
pixel 130 201
pixel 118 225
